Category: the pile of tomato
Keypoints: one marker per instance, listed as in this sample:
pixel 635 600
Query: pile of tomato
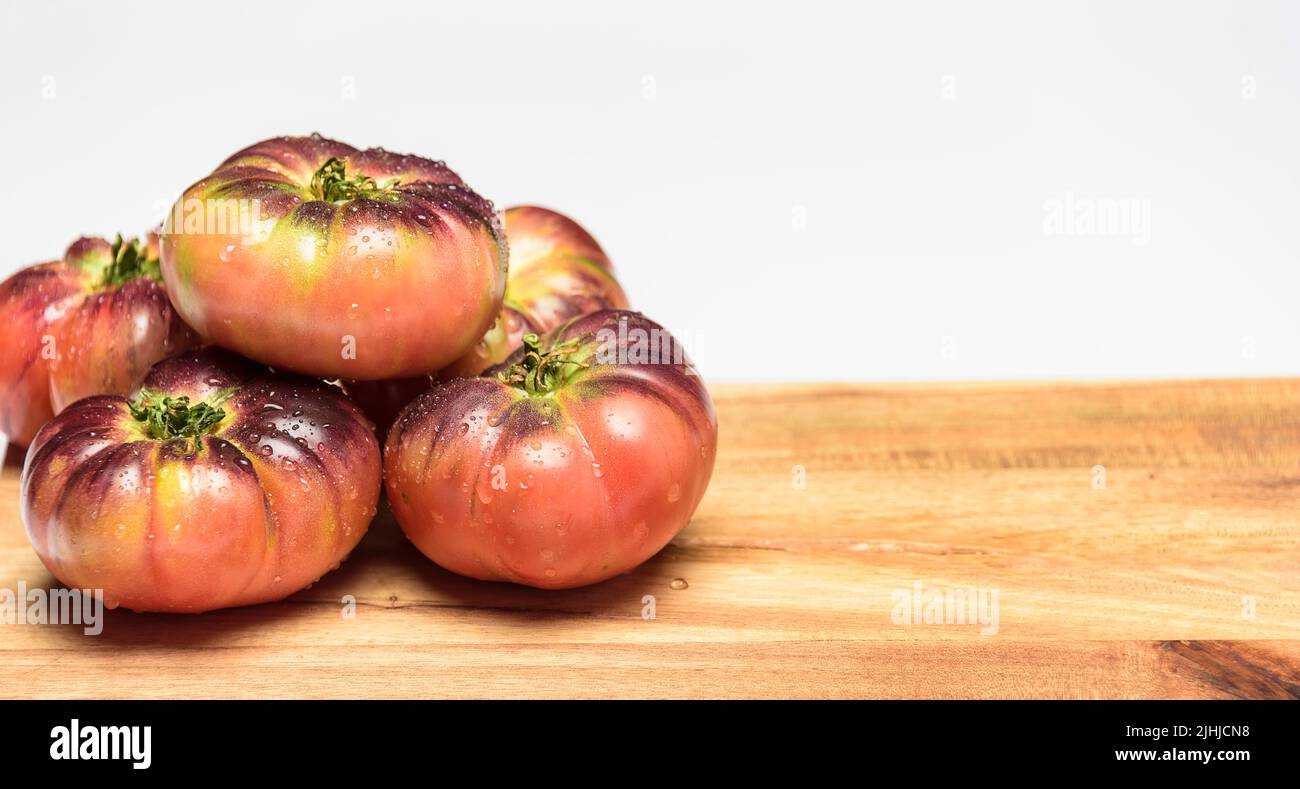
pixel 212 413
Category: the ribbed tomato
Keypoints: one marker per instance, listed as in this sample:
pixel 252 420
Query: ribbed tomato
pixel 88 324
pixel 310 255
pixel 218 483
pixel 577 460
pixel 557 272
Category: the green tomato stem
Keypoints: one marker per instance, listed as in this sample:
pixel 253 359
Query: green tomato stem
pixel 129 261
pixel 332 184
pixel 537 373
pixel 167 418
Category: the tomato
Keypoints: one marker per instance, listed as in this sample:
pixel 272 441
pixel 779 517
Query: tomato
pixel 88 324
pixel 577 460
pixel 218 483
pixel 557 272
pixel 310 255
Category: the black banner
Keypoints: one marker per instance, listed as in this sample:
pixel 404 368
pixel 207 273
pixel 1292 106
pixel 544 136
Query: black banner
pixel 134 739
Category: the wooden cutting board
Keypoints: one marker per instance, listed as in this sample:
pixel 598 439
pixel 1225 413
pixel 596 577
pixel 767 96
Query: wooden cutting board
pixel 1142 539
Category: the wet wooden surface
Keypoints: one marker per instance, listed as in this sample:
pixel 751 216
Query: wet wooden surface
pixel 1143 540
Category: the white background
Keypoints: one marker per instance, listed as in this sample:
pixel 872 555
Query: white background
pixel 800 190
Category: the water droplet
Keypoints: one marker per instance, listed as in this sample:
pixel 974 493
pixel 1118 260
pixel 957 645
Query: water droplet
pixel 679 583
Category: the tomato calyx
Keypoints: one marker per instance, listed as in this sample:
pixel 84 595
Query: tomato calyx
pixel 166 417
pixel 539 374
pixel 129 261
pixel 332 184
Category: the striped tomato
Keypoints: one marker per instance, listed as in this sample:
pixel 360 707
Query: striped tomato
pixel 218 483
pixel 91 323
pixel 309 255
pixel 576 460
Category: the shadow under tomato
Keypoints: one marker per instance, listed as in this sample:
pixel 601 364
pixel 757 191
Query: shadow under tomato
pixel 619 597
pixel 385 571
pixel 125 629
pixel 394 574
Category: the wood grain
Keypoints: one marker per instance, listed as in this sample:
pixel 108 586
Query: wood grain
pixel 1136 589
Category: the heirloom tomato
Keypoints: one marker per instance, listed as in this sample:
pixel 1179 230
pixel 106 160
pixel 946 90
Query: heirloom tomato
pixel 310 255
pixel 557 272
pixel 217 483
pixel 574 461
pixel 88 324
